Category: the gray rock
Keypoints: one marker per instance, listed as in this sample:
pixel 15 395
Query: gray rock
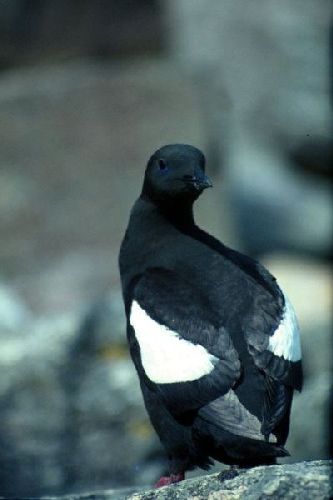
pixel 33 406
pixel 71 406
pixel 304 480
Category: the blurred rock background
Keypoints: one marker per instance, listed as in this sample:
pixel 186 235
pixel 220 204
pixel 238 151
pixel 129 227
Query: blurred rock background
pixel 87 91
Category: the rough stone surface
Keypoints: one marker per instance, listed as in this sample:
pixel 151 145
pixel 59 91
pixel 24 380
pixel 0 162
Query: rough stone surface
pixel 70 405
pixel 304 480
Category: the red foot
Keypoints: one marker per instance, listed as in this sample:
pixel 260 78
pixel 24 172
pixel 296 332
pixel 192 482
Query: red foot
pixel 166 480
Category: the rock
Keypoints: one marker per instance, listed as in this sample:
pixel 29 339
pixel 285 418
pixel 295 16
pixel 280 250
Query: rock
pixel 300 480
pixel 33 406
pixel 303 480
pixel 71 406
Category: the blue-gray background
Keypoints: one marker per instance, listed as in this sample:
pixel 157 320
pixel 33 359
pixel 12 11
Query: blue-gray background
pixel 87 91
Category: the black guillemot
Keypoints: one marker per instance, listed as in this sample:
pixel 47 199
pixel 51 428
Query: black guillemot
pixel 213 338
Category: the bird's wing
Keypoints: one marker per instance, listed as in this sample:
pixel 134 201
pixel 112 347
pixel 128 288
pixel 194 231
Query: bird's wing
pixel 273 340
pixel 177 344
pixel 229 413
pixel 272 335
pixel 270 327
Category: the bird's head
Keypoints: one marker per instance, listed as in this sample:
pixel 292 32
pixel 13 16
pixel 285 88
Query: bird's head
pixel 175 172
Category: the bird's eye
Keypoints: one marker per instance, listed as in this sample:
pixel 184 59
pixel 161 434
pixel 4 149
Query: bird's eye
pixel 162 165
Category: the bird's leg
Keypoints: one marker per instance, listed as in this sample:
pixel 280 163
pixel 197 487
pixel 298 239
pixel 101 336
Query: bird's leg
pixel 166 480
pixel 230 473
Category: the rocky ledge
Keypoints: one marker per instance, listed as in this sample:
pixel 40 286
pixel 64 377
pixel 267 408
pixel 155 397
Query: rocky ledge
pixel 303 480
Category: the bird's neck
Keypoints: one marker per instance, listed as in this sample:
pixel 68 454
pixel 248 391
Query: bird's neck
pixel 178 212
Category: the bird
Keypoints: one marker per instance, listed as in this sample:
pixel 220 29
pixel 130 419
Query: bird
pixel 214 340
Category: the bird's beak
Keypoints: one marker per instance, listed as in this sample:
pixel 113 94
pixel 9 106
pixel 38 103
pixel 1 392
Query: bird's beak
pixel 204 182
pixel 199 181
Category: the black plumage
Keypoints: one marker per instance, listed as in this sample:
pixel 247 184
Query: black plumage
pixel 212 336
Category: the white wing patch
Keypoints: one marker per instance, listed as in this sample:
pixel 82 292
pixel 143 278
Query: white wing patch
pixel 286 340
pixel 167 358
